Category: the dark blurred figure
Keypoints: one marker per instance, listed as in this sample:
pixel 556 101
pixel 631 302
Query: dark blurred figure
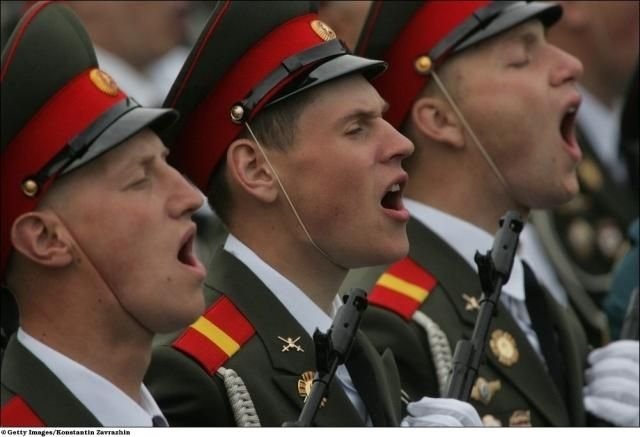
pixel 346 18
pixel 625 281
pixel 142 43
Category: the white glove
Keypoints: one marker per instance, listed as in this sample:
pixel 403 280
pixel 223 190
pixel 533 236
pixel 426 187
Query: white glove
pixel 611 390
pixel 441 412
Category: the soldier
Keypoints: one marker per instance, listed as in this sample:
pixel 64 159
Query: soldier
pixel 286 136
pixel 586 237
pixel 490 107
pixel 91 212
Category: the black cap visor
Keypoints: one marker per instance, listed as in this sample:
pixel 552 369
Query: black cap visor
pixel 123 128
pixel 495 18
pixel 333 69
pixel 511 16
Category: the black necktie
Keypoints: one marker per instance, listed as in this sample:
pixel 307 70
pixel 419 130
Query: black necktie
pixel 158 421
pixel 538 312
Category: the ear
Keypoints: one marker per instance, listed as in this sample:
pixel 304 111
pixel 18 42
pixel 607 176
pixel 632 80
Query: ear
pixel 40 236
pixel 433 118
pixel 248 167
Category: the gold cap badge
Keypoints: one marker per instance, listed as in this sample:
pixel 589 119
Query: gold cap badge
pixel 304 386
pixel 323 30
pixel 503 346
pixel 103 82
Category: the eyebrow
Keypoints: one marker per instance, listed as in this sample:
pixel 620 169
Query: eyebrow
pixel 527 36
pixel 360 114
pixel 143 159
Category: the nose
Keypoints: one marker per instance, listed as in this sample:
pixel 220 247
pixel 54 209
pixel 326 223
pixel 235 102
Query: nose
pixel 567 68
pixel 184 197
pixel 398 146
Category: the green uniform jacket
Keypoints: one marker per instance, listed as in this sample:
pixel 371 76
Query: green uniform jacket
pixel 33 396
pixel 189 395
pixel 523 386
pixel 586 237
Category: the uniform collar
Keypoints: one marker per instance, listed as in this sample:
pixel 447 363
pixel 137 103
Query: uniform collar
pixel 110 405
pixel 465 238
pixel 304 310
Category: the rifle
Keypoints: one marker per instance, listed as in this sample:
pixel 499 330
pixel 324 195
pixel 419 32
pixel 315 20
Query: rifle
pixel 332 349
pixel 494 269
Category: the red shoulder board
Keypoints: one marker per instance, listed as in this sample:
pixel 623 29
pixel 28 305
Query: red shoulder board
pixel 216 335
pixel 403 288
pixel 16 412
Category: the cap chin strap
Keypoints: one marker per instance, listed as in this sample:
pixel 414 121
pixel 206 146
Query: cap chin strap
pixel 101 276
pixel 290 202
pixel 470 131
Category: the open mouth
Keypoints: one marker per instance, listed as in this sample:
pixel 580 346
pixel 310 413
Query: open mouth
pixel 392 198
pixel 568 132
pixel 186 254
pixel 392 203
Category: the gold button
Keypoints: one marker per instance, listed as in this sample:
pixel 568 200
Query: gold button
pixel 30 188
pixel 423 64
pixel 237 113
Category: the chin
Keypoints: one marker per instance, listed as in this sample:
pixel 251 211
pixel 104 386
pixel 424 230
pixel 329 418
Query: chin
pixel 389 254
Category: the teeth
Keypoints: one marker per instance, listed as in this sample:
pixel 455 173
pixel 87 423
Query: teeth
pixel 572 110
pixel 395 188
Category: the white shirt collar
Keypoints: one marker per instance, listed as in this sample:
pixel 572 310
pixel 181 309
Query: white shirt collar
pixel 309 315
pixel 110 405
pixel 601 125
pixel 465 238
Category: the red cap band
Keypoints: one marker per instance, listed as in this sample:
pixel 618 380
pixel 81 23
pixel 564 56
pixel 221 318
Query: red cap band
pixel 209 130
pixel 430 24
pixel 66 114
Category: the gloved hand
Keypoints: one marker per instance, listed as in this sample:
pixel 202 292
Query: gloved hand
pixel 441 412
pixel 611 390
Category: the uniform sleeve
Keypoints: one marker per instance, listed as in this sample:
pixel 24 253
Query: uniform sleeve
pixel 186 394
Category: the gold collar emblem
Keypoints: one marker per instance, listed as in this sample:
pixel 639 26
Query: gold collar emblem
pixel 484 390
pixel 503 346
pixel 290 344
pixel 472 302
pixel 304 386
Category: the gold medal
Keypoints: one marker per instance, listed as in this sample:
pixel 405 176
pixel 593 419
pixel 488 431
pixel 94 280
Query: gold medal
pixel 304 386
pixel 590 174
pixel 503 346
